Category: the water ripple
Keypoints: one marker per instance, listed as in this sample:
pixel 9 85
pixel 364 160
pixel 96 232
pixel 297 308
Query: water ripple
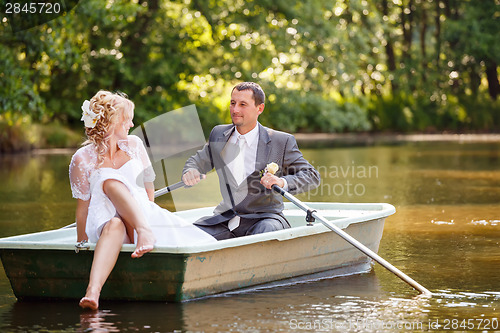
pixel 485 223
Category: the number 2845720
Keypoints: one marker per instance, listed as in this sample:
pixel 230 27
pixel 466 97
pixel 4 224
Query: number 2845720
pixel 32 8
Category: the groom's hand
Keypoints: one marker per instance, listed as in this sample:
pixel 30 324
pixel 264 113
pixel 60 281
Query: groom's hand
pixel 268 180
pixel 192 177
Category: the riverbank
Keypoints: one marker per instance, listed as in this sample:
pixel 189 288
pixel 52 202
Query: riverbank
pixel 340 139
pixel 367 139
pixel 19 134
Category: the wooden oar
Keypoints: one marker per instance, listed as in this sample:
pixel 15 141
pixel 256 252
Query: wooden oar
pixel 159 192
pixel 352 241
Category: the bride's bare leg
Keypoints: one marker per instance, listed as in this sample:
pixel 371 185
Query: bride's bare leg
pixel 105 256
pixel 131 213
pixel 130 234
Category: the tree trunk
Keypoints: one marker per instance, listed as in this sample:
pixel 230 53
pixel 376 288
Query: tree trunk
pixel 475 79
pixel 410 24
pixel 389 49
pixel 438 32
pixel 492 76
pixel 404 27
pixel 423 32
pixel 407 25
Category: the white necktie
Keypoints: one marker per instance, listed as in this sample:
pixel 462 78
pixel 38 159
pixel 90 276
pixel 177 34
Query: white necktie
pixel 239 162
pixel 239 175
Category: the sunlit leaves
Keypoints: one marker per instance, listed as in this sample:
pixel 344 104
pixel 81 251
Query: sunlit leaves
pixel 326 65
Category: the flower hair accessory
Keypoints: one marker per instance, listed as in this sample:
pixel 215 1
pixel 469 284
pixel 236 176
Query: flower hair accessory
pixel 89 117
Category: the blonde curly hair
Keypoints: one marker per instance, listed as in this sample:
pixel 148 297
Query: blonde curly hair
pixel 113 107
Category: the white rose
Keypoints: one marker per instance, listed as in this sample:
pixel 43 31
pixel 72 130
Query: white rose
pixel 272 168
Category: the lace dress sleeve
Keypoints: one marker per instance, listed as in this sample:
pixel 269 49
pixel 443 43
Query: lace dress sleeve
pixel 78 176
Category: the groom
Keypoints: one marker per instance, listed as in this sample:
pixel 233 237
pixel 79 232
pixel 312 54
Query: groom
pixel 239 153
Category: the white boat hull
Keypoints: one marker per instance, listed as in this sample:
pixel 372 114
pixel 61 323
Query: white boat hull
pixel 181 273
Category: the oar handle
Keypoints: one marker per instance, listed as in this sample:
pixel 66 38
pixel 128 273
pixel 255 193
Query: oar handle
pixel 170 188
pixel 351 240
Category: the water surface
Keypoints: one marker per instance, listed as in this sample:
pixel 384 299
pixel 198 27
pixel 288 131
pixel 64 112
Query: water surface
pixel 445 235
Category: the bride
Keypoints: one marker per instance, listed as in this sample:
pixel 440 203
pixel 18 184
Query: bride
pixel 112 178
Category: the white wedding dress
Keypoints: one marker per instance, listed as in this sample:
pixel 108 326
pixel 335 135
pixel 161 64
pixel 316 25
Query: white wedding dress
pixel 86 184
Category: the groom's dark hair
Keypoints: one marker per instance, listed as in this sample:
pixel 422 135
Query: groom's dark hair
pixel 258 94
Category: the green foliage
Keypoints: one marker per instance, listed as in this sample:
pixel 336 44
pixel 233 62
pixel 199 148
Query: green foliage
pixel 326 65
pixel 307 112
pixel 16 132
pixel 55 135
pixel 19 133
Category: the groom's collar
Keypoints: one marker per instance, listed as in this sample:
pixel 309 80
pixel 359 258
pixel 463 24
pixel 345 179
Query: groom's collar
pixel 262 133
pixel 250 137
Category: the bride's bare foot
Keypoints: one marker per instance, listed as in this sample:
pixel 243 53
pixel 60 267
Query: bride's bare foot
pixel 145 243
pixel 89 303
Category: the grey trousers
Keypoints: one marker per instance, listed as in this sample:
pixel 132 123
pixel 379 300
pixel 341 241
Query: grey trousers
pixel 247 227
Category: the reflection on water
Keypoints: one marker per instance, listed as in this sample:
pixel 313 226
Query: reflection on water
pixel 354 303
pixel 445 235
pixel 34 193
pixel 49 316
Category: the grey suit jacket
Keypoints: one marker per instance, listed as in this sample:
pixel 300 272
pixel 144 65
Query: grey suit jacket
pixel 251 199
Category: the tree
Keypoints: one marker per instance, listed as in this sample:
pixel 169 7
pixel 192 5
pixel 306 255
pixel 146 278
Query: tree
pixel 326 65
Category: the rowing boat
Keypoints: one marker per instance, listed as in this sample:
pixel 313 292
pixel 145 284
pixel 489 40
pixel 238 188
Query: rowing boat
pixel 45 265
